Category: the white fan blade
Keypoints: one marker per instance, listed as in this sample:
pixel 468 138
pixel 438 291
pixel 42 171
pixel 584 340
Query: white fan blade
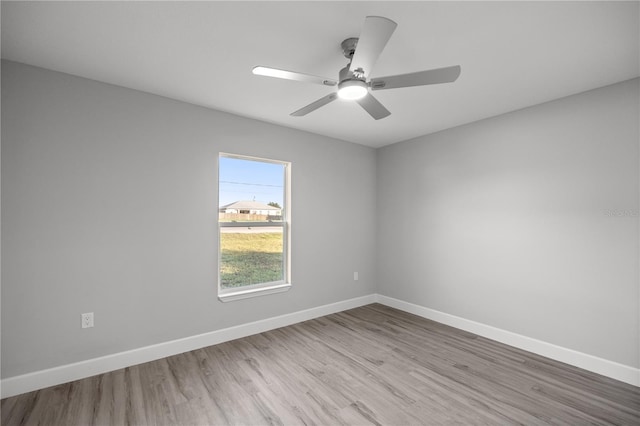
pixel 315 105
pixel 421 78
pixel 292 75
pixel 375 34
pixel 373 107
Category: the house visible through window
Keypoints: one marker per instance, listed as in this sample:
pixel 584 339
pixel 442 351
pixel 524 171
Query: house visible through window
pixel 253 225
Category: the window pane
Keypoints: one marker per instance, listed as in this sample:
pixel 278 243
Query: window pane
pixel 251 255
pixel 253 228
pixel 250 190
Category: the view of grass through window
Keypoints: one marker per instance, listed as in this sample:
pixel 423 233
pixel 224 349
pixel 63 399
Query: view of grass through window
pixel 251 222
pixel 250 258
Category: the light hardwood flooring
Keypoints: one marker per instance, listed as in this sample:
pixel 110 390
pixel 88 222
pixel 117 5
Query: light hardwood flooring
pixel 370 365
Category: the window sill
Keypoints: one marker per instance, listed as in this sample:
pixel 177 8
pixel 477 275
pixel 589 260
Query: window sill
pixel 254 292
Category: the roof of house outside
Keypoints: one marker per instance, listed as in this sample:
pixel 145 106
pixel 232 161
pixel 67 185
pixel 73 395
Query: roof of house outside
pixel 249 205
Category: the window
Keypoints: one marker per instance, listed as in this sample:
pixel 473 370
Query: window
pixel 253 226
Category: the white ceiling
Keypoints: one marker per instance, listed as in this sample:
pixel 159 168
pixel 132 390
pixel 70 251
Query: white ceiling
pixel 513 55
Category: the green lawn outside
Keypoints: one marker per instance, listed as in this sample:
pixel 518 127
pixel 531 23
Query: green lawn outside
pixel 250 258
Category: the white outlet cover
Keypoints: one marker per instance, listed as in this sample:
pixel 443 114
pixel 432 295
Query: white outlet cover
pixel 87 320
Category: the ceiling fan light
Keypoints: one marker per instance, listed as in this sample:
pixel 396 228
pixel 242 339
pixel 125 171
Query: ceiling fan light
pixel 352 89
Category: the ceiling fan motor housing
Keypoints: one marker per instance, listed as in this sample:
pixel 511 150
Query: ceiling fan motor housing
pixel 346 74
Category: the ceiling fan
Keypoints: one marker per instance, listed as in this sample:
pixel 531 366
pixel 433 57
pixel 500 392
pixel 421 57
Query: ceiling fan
pixel 353 80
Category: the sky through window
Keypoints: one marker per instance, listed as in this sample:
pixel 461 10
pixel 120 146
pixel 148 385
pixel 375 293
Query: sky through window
pixel 242 179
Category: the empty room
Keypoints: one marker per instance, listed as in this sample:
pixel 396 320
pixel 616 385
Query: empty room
pixel 329 213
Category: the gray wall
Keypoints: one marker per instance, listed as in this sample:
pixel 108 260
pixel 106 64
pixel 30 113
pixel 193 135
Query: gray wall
pixel 109 206
pixel 527 222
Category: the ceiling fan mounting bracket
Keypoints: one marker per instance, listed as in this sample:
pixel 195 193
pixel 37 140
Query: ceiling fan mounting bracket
pixel 349 47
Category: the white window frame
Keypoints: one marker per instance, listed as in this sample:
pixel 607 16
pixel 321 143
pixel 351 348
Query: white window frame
pixel 261 289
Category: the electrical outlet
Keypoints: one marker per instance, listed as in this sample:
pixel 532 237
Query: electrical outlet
pixel 355 276
pixel 87 320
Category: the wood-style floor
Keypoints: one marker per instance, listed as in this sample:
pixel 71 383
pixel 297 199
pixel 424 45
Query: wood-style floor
pixel 370 365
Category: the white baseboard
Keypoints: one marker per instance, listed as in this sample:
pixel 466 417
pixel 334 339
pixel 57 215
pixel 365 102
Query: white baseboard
pixel 54 376
pixel 66 373
pixel 611 369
